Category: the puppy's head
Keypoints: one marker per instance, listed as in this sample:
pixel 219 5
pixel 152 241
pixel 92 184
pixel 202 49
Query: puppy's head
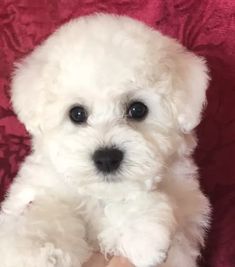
pixel 108 99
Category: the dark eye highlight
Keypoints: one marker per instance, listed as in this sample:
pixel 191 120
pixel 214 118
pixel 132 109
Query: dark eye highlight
pixel 137 111
pixel 78 114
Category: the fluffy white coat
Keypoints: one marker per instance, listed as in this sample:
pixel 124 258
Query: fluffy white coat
pixel 59 208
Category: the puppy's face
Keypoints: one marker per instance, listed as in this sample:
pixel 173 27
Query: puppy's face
pixel 107 99
pixel 110 136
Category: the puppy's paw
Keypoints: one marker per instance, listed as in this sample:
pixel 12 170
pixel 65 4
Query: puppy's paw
pixel 147 252
pixel 54 257
pixel 145 245
pixel 143 233
pixel 159 258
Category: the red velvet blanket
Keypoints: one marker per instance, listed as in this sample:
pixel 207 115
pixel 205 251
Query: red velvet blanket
pixel 204 26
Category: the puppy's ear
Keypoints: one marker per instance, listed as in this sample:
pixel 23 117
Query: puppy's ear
pixel 28 93
pixel 189 83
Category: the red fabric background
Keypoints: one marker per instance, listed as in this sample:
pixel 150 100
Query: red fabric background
pixel 204 26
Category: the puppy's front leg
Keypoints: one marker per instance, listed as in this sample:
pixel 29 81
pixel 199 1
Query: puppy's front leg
pixel 139 228
pixel 48 233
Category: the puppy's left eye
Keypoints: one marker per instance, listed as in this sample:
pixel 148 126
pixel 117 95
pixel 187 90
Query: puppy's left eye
pixel 78 114
pixel 137 111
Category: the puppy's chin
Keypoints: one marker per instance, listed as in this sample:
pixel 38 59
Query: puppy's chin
pixel 112 191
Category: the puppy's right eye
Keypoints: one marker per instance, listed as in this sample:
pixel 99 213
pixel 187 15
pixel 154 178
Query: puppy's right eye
pixel 78 114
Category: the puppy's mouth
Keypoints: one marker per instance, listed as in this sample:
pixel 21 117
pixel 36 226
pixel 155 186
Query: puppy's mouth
pixel 112 178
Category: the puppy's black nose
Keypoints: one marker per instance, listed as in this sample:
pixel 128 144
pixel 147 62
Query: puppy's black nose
pixel 107 160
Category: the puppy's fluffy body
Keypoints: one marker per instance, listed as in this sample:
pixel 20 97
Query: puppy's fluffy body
pixel 59 208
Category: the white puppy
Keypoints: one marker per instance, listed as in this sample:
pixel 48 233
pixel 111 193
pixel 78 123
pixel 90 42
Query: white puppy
pixel 111 105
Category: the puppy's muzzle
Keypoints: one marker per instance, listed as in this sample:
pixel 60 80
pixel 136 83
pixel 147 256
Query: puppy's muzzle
pixel 108 160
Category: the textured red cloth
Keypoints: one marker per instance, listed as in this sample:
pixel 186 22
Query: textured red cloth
pixel 204 26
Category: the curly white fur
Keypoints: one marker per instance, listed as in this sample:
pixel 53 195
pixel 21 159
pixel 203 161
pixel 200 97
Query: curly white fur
pixel 59 209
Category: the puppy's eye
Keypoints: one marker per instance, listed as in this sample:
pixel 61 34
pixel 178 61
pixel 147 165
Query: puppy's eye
pixel 78 114
pixel 137 111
